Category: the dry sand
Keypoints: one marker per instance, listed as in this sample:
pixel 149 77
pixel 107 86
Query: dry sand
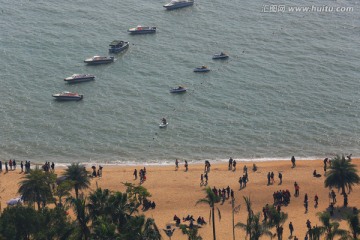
pixel 176 192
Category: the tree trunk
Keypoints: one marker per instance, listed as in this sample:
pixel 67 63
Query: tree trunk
pixel 76 192
pixel 213 221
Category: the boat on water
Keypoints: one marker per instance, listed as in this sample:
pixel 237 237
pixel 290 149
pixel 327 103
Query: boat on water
pixel 117 46
pixel 179 89
pixel 142 30
pixel 220 56
pixel 202 69
pixel 68 96
pixel 75 78
pixel 163 125
pixel 99 60
pixel 174 4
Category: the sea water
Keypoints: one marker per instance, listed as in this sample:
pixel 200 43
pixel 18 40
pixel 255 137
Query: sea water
pixel 290 86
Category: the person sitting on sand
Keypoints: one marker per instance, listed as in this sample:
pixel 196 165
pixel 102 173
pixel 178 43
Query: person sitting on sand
pixel 176 219
pixel 315 174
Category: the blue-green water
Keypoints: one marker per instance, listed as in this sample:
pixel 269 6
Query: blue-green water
pixel 290 86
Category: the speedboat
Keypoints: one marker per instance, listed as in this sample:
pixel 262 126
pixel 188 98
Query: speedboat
pixel 75 78
pixel 68 96
pixel 220 56
pixel 99 60
pixel 202 69
pixel 174 4
pixel 142 30
pixel 179 89
pixel 117 46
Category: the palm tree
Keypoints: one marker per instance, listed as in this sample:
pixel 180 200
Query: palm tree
pixel 342 175
pixel 330 229
pixel 253 228
pixel 99 203
pixel 276 219
pixel 211 199
pixel 36 187
pixel 353 221
pixel 82 216
pixel 79 176
pixel 140 228
pixel 192 233
pixel 63 190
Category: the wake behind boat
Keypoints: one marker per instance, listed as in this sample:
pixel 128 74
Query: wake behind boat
pixel 202 69
pixel 174 4
pixel 99 60
pixel 142 30
pixel 75 78
pixel 117 46
pixel 220 56
pixel 68 96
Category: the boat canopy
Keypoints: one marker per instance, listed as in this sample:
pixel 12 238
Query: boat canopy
pixel 116 43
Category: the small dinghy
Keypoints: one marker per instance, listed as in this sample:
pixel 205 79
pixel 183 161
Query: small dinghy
pixel 179 89
pixel 220 56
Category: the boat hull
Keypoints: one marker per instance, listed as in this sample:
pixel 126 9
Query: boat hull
pixel 201 70
pixel 220 57
pixel 162 125
pixel 91 62
pixel 118 49
pixel 134 32
pixel 178 90
pixel 176 6
pixel 68 98
pixel 78 80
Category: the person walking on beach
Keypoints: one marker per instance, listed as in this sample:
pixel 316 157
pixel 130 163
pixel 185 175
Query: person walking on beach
pixel 135 174
pixel 297 188
pixel 206 178
pixel 325 164
pixel 176 164
pixel 268 178
pixel 52 166
pixel 240 181
pixel 291 228
pixel 230 163
pixel 333 196
pixel 306 203
pixel 272 175
pixel 186 166
pixel 280 178
pixel 234 165
pixel 293 161
pixel 316 200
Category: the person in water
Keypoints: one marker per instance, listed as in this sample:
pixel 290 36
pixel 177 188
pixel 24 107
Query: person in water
pixel 163 120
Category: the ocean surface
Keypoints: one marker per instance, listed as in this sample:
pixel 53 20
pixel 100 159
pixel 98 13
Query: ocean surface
pixel 290 87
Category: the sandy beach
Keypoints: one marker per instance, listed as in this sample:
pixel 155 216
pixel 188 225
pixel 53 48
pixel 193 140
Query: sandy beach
pixel 176 192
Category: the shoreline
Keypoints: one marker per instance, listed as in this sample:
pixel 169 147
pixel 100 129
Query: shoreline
pixel 170 163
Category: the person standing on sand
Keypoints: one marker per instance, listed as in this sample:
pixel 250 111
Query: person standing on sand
pixel 201 180
pixel 297 188
pixel 325 164
pixel 291 228
pixel 230 163
pixel 176 164
pixel 206 178
pixel 186 166
pixel 268 178
pixel 293 161
pixel 135 174
pixel 234 165
pixel 6 167
pixel 280 177
pixel 316 200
